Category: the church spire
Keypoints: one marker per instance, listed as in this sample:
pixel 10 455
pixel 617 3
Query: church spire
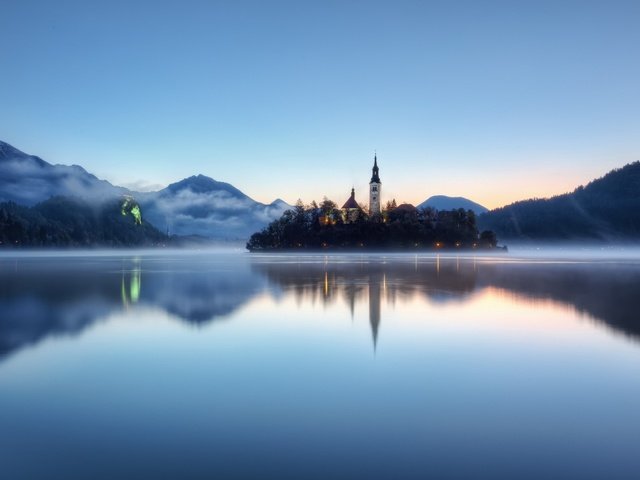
pixel 375 178
pixel 374 188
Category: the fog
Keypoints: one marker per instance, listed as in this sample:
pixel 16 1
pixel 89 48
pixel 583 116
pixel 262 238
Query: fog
pixel 516 252
pixel 576 251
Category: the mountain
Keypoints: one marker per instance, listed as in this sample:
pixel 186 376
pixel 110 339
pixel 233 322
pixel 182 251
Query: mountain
pixel 442 202
pixel 27 180
pixel 197 205
pixel 606 209
pixel 200 205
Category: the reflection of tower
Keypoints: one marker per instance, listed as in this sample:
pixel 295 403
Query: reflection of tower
pixel 351 299
pixel 374 309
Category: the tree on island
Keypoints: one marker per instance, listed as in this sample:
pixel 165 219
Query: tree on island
pixel 398 227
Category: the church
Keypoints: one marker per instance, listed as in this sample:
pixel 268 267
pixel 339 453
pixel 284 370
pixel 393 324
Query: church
pixel 351 209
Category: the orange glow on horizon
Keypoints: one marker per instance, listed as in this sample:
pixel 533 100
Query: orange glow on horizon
pixel 492 188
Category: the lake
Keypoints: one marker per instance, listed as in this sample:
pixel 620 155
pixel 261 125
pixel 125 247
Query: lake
pixel 230 365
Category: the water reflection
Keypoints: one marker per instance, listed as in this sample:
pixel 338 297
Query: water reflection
pixel 41 297
pixel 371 282
pixel 605 291
pixel 133 280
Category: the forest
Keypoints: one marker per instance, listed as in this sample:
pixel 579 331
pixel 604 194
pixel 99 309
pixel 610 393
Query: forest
pixel 72 222
pixel 606 209
pixel 402 228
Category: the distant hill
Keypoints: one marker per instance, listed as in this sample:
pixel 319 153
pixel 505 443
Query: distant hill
pixel 605 209
pixel 197 205
pixel 442 202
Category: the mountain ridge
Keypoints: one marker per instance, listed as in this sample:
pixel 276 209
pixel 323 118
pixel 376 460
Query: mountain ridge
pixel 28 179
pixel 196 205
pixel 605 209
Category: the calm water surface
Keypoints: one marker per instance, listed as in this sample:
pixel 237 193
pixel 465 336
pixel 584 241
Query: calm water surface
pixel 229 365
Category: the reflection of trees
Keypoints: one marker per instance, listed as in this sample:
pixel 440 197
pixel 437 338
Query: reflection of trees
pixel 327 282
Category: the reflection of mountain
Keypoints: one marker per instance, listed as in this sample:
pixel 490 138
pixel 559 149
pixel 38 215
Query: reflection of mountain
pixel 48 297
pixel 44 297
pixel 201 293
pixel 50 302
pixel 605 291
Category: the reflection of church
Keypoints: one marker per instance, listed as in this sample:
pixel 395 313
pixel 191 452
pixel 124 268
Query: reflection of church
pixel 351 209
pixel 354 288
pixel 374 310
pixel 359 281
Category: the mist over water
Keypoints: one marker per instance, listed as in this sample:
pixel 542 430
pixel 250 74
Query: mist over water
pixel 220 363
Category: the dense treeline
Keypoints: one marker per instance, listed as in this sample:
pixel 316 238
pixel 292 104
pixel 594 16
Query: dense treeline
pixel 317 227
pixel 71 222
pixel 606 209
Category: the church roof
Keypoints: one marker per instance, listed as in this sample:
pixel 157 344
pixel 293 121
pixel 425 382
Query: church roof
pixel 351 203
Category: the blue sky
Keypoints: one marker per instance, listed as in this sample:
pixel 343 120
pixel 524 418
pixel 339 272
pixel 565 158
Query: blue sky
pixel 496 101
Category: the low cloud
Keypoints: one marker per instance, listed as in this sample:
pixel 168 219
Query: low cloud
pixel 143 186
pixel 220 211
pixel 27 181
pixel 214 213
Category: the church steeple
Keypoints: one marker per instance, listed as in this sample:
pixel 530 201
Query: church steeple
pixel 375 178
pixel 374 188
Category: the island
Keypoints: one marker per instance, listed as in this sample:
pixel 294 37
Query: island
pixel 403 227
pixel 354 226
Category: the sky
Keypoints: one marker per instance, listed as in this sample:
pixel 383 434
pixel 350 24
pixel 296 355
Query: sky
pixel 495 101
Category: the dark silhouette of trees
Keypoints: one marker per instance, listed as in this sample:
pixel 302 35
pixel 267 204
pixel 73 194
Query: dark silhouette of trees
pixel 405 227
pixel 71 222
pixel 606 209
pixel 488 239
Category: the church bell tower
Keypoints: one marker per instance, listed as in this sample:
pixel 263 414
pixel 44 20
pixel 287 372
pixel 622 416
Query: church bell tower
pixel 374 190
